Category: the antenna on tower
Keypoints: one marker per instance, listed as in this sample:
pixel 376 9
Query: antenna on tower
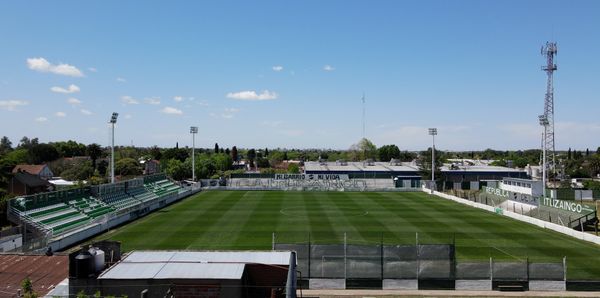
pixel 549 51
pixel 363 115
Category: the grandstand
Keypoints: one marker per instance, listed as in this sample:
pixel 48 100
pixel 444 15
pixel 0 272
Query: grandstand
pixel 61 214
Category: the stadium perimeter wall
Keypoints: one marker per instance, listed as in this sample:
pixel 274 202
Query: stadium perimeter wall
pixel 99 227
pixel 534 221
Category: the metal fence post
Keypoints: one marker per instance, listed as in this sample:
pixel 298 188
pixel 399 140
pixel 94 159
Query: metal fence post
pixel 345 256
pixel 491 269
pixel 417 251
pixel 565 268
pixel 309 253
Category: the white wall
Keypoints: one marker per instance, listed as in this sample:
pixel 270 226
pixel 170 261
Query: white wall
pixel 524 218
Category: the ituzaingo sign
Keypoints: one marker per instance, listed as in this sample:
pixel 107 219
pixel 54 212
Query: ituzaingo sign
pixel 567 205
pixel 312 177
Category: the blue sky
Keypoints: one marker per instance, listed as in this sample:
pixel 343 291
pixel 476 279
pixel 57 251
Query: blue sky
pixel 291 74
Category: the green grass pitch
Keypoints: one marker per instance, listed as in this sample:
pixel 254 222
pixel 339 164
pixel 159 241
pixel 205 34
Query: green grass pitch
pixel 247 220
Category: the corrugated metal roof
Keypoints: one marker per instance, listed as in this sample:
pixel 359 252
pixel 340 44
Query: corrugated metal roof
pixel 133 271
pixel 191 264
pixel 45 272
pixel 262 257
pixel 201 271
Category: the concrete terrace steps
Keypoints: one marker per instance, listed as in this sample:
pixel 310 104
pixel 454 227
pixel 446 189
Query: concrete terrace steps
pixel 68 221
pixel 46 209
pixel 54 214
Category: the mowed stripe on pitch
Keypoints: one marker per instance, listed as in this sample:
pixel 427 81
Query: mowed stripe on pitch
pixel 246 220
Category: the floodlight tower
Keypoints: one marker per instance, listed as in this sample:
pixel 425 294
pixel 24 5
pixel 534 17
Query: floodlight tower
pixel 433 133
pixel 113 121
pixel 363 115
pixel 549 51
pixel 193 131
pixel 544 122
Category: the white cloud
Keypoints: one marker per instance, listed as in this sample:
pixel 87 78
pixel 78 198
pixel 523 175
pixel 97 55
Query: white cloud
pixel 229 113
pixel 74 101
pixel 328 67
pixel 252 95
pixel 71 89
pixel 60 114
pixel 126 99
pixel 171 111
pixel 11 105
pixel 42 65
pixel 41 119
pixel 178 98
pixel 152 101
pixel 121 80
pixel 128 116
pixel 86 112
pixel 277 68
pixel 92 69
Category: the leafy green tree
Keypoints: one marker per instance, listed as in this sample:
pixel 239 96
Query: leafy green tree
pixel 388 152
pixel 594 165
pixel 293 168
pixel 94 151
pixel 180 154
pixel 205 167
pixel 363 150
pixel 5 145
pixel 177 170
pixel 127 167
pixel 27 288
pixel 216 148
pixel 251 156
pixel 102 167
pixel 27 143
pixel 79 171
pixel 222 162
pixel 262 162
pixel 155 153
pixel 275 157
pixel 69 148
pixel 40 153
pixel 234 154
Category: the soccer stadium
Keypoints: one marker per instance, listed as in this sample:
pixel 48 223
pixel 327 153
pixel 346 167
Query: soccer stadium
pixel 347 229
pixel 110 185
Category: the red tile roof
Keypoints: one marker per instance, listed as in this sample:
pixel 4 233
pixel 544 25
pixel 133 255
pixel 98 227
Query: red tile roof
pixel 31 169
pixel 45 272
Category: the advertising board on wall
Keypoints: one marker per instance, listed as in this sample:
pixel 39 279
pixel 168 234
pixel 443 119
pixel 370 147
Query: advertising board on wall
pixel 312 177
pixel 571 206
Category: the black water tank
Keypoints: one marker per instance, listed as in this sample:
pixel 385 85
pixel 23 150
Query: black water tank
pixel 84 265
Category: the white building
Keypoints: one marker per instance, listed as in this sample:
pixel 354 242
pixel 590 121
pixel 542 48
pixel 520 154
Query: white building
pixel 533 188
